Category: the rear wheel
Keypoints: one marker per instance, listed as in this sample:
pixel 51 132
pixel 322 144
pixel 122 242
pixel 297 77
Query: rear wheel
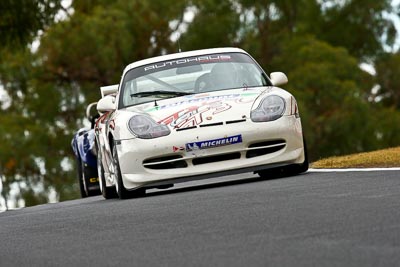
pixel 108 192
pixel 122 192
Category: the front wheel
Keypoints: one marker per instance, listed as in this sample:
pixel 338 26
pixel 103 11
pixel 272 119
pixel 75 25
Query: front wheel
pixel 289 170
pixel 108 192
pixel 122 192
pixel 81 182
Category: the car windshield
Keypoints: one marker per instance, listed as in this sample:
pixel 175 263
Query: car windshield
pixel 190 75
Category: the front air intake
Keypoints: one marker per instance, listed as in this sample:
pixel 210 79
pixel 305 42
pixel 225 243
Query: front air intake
pixel 264 148
pixel 165 162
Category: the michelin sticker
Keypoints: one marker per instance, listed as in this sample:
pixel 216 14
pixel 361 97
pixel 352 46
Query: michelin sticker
pixel 230 140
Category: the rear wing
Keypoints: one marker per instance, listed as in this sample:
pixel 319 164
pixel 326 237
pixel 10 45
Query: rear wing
pixel 108 90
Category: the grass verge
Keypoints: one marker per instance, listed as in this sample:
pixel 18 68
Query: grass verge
pixel 384 158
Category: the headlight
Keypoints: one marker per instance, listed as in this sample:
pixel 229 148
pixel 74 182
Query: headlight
pixel 146 128
pixel 271 108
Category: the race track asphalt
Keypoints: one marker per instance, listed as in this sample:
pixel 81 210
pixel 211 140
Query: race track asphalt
pixel 314 219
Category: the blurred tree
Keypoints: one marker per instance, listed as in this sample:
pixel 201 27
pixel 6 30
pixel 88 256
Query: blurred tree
pixel 388 78
pixel 267 22
pixel 20 24
pixel 75 57
pixel 329 86
pixel 24 142
pixel 361 26
pixel 49 89
pixel 21 20
pixel 318 43
pixel 92 48
pixel 215 24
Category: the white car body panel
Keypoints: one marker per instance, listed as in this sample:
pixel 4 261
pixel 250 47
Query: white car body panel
pixel 211 134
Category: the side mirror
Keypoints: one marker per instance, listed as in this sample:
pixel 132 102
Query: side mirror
pixel 278 78
pixel 89 111
pixel 105 104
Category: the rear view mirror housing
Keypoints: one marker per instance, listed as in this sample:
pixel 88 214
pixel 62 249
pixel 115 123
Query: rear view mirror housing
pixel 278 78
pixel 106 104
pixel 90 111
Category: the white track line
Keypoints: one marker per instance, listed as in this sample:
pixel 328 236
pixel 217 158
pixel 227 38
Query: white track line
pixel 354 170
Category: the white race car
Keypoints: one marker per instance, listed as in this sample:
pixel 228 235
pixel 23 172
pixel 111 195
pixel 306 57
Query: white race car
pixel 196 115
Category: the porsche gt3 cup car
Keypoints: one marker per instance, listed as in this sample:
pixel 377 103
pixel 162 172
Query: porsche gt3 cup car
pixel 196 115
pixel 84 150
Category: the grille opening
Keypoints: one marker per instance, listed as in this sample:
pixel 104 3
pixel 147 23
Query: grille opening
pixel 275 146
pixel 205 160
pixel 268 143
pixel 165 165
pixel 168 165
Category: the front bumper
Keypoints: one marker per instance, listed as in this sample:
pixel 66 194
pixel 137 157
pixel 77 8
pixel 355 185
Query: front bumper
pixel 168 159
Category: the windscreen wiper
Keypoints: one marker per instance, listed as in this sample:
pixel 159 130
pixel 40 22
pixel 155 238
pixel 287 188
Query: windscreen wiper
pixel 155 93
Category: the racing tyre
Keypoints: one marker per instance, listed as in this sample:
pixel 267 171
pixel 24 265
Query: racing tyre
pixel 91 187
pixel 108 192
pixel 80 178
pixel 289 170
pixel 122 192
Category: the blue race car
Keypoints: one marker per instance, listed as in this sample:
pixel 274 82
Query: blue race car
pixel 83 145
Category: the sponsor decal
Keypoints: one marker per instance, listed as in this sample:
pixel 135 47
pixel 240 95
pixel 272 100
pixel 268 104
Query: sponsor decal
pixel 202 100
pixel 193 115
pixel 200 59
pixel 230 140
pixel 200 95
pixel 176 148
pixel 205 98
pixel 203 107
pixel 246 98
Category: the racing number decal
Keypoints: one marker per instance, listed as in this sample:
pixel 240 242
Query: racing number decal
pixel 193 115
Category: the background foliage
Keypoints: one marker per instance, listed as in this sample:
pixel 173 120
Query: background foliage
pixel 320 44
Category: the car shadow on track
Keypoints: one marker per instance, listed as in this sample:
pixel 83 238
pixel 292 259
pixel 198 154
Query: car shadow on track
pixel 215 185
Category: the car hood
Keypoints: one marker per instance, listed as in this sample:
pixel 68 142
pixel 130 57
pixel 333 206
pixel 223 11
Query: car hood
pixel 205 108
